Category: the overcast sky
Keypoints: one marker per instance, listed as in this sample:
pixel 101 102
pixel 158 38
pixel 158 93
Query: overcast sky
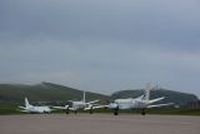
pixel 101 45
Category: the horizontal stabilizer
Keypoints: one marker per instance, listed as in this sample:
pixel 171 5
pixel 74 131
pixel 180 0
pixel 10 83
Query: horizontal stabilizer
pixel 160 105
pixel 22 107
pixel 61 107
pixel 99 107
pixel 94 107
pixel 24 111
pixel 92 102
pixel 155 100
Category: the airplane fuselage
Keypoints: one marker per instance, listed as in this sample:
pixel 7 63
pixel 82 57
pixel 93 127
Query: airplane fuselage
pixel 78 105
pixel 38 109
pixel 129 103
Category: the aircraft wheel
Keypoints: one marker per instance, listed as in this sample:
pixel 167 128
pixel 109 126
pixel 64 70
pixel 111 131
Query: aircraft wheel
pixel 75 112
pixel 116 111
pixel 91 111
pixel 143 112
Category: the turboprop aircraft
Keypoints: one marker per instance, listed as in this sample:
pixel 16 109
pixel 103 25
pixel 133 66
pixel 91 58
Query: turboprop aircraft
pixel 34 109
pixel 142 102
pixel 80 105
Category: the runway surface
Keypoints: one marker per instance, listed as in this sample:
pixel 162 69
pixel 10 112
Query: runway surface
pixel 99 124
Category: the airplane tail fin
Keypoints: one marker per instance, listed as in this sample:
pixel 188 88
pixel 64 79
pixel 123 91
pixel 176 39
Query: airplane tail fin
pixel 147 92
pixel 27 102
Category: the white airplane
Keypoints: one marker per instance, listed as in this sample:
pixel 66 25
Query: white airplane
pixel 142 102
pixel 34 109
pixel 80 105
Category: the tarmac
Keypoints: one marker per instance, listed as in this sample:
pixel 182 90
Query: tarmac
pixel 98 124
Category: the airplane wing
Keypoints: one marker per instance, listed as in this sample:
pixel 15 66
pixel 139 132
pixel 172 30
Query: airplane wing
pixel 87 108
pixel 160 105
pixel 61 107
pixel 65 108
pixel 94 107
pixel 92 102
pixel 155 100
pixel 24 111
pixel 73 108
pixel 99 107
pixel 22 107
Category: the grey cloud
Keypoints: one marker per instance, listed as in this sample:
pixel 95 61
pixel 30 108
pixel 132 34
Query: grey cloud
pixel 104 45
pixel 137 21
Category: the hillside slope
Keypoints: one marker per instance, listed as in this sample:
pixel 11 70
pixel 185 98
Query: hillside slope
pixel 49 92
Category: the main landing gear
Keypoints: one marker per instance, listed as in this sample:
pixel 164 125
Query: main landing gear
pixel 91 110
pixel 116 111
pixel 143 112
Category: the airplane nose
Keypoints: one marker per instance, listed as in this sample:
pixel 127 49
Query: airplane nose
pixel 113 105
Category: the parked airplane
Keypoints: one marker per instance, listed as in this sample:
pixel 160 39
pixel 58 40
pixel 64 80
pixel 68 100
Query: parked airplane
pixel 34 109
pixel 142 102
pixel 80 105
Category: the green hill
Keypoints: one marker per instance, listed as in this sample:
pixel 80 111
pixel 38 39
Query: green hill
pixel 44 92
pixel 178 98
pixel 48 92
pixel 12 95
